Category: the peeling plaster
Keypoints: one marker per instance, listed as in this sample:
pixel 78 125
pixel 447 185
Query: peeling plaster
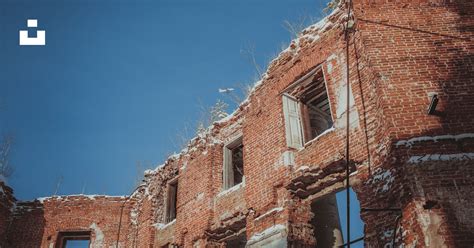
pixel 98 242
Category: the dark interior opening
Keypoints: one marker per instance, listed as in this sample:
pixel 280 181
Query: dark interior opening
pixel 172 200
pixel 314 102
pixel 237 242
pixel 326 223
pixel 238 163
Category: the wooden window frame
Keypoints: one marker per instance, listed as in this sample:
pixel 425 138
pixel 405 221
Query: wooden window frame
pixel 171 185
pixel 298 137
pixel 227 169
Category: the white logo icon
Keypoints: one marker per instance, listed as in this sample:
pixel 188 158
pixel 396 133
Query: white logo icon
pixel 39 40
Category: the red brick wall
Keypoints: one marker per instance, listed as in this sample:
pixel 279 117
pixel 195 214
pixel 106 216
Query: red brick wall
pixel 399 54
pixel 36 224
pixel 7 202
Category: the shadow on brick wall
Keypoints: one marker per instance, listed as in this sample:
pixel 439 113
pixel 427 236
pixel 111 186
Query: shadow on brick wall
pixel 27 227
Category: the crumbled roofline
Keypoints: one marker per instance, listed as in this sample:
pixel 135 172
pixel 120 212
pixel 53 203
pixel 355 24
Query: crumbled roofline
pixel 308 33
pixel 75 196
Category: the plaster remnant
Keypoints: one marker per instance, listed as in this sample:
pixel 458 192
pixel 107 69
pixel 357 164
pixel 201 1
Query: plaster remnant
pixel 267 233
pixel 98 242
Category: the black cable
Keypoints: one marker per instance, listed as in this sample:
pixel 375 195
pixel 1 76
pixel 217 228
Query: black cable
pixel 397 222
pixel 348 201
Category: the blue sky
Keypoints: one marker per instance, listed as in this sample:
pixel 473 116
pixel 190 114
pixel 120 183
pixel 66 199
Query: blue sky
pixel 118 81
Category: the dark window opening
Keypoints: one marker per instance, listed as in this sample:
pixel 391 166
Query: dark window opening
pixel 329 221
pixel 313 99
pixel 237 242
pixel 238 163
pixel 233 171
pixel 73 239
pixel 171 201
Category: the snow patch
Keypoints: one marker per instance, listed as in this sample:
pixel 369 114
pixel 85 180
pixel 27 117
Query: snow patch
pixel 153 171
pixel 184 166
pixel 412 141
pixel 162 226
pixel 200 196
pixel 329 130
pixel 273 210
pixel 302 168
pixel 76 197
pixel 440 157
pixel 385 177
pixel 232 189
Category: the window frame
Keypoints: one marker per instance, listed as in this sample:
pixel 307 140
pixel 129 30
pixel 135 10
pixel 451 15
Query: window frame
pixel 173 183
pixel 302 119
pixel 64 236
pixel 228 166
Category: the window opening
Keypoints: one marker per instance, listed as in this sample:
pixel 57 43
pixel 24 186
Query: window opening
pixel 171 201
pixel 330 219
pixel 307 105
pixel 233 171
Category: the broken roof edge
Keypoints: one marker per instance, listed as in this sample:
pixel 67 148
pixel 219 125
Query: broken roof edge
pixel 312 32
pixel 75 196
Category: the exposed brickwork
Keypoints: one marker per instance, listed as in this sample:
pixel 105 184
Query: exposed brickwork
pixel 7 202
pixel 400 53
pixel 36 224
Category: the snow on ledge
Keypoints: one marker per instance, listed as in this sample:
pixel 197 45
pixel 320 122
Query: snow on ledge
pixel 273 210
pixel 302 168
pixel 232 189
pixel 329 130
pixel 440 157
pixel 266 233
pixel 410 142
pixel 162 226
pixel 67 197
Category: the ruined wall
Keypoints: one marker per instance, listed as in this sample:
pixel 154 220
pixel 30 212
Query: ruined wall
pixel 416 50
pixel 7 203
pixel 37 223
pixel 401 157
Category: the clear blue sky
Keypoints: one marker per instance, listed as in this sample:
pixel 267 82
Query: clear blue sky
pixel 119 80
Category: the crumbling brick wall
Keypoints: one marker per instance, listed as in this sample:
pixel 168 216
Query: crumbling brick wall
pixel 38 223
pixel 403 159
pixel 7 203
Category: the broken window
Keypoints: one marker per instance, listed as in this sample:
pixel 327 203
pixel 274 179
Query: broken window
pixel 73 239
pixel 306 108
pixel 233 171
pixel 329 221
pixel 171 201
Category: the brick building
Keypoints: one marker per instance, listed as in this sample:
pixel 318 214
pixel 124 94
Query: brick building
pixel 266 175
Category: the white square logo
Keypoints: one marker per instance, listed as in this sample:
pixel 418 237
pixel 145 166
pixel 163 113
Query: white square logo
pixel 39 40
